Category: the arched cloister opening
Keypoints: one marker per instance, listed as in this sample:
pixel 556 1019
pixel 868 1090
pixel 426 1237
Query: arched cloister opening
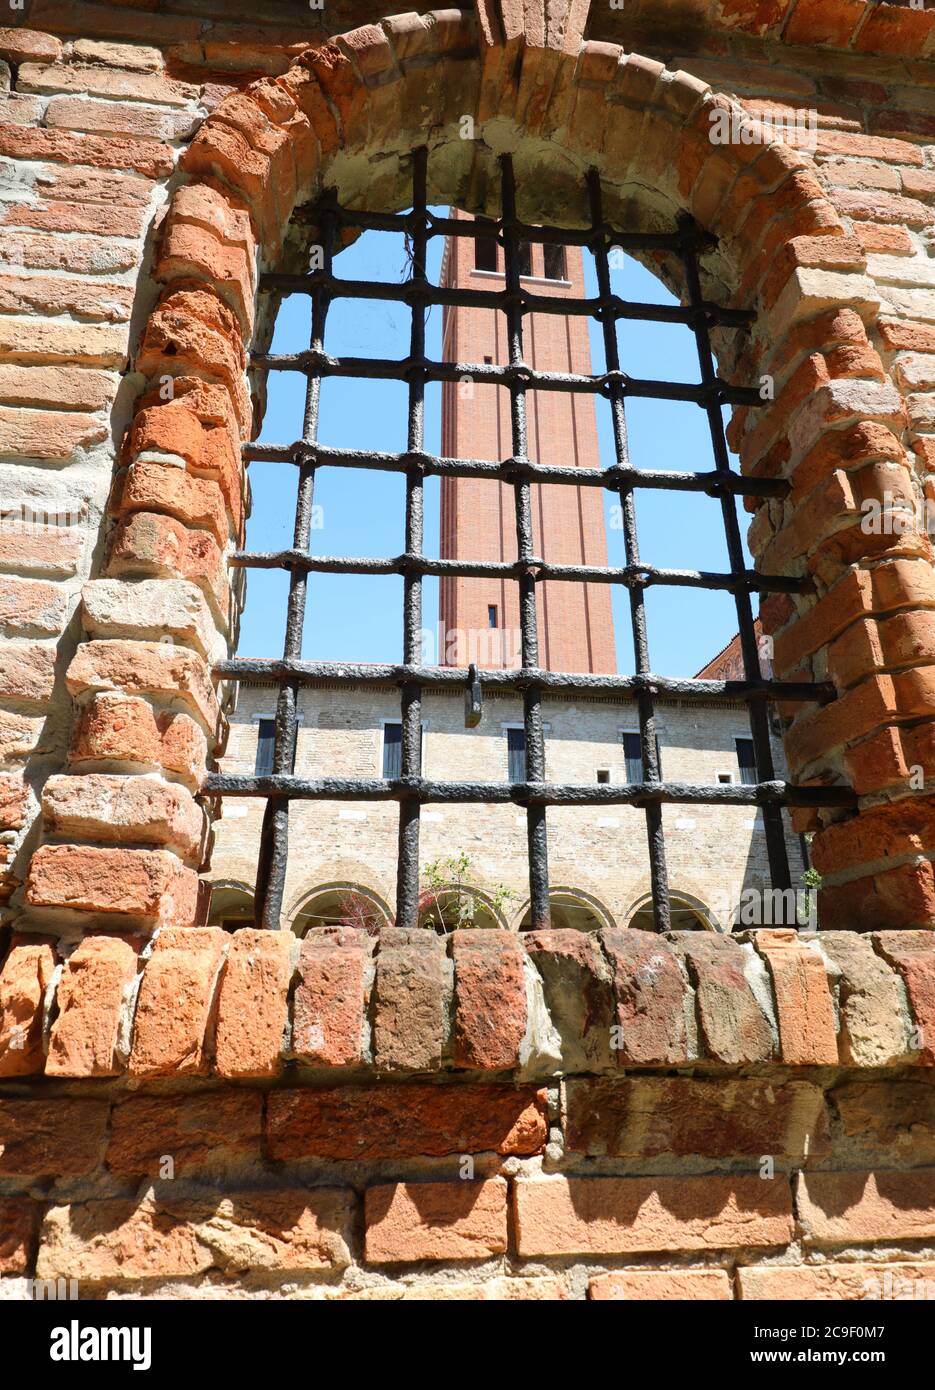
pixel 452 907
pixel 688 914
pixel 341 905
pixel 231 906
pixel 572 908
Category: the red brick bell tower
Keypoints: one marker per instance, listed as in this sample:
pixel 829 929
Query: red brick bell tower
pixel 481 616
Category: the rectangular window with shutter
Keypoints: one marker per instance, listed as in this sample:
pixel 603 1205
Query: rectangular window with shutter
pixel 265 746
pixel 516 754
pixel 746 757
pixel 392 750
pixel 633 756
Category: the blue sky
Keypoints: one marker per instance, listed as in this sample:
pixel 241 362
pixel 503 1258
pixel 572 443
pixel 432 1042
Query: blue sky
pixel 359 617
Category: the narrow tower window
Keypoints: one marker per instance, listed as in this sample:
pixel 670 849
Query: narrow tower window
pixel 554 261
pixel 485 253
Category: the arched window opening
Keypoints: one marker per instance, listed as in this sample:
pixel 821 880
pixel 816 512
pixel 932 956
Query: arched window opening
pixel 572 909
pixel 231 907
pixel 685 916
pixel 341 905
pixel 449 909
pixel 392 404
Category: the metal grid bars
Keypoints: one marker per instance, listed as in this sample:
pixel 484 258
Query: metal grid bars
pixel 515 300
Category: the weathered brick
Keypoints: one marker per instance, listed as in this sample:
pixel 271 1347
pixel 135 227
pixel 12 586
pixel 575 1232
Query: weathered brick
pixel 411 993
pixel 253 1003
pixel 902 897
pixel 125 729
pixel 843 1208
pixel 500 1290
pixel 158 487
pixel 82 185
pixel 652 998
pixel 837 1282
pixel 14 801
pixel 91 999
pixel 330 1004
pixel 105 82
pixel 895 1119
pixel 40 549
pixel 150 157
pixel 435 1221
pixel 912 954
pixel 817 23
pixel 26 975
pixel 649 1116
pixel 366 1122
pixel 160 546
pixel 19 1218
pixel 100 117
pixel 53 435
pixel 148 886
pixel 92 344
pixel 146 668
pixel 660 1285
pixel 804 1012
pixel 578 989
pixel 27 672
pixel 126 809
pixel 620 1216
pixel 114 1241
pixel 734 1026
pixel 209 1129
pixel 887 208
pixel 54 215
pixel 80 255
pixel 175 1002
pixel 75 388
pixel 874 236
pixel 872 1032
pixel 134 57
pixel 61 1137
pixel 25 45
pixel 151 610
pixel 33 606
pixel 490 999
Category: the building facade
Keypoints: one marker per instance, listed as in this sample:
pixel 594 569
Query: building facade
pixel 599 871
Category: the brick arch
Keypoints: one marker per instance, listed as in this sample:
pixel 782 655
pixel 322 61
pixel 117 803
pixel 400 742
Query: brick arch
pixel 346 113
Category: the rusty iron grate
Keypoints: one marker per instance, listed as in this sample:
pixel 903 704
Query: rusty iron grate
pixel 534 793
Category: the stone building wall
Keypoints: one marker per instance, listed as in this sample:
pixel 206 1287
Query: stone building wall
pixel 318 1101
pixel 713 853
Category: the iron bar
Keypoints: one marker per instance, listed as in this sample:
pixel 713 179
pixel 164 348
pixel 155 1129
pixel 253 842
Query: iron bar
pixel 529 793
pixel 759 717
pixel 649 740
pixel 409 293
pixel 711 482
pixel 318 363
pixel 633 576
pixel 407 864
pixel 534 734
